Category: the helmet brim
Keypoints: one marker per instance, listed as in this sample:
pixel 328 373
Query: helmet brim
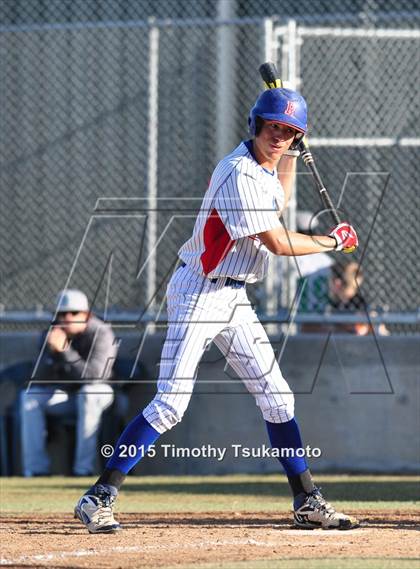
pixel 287 122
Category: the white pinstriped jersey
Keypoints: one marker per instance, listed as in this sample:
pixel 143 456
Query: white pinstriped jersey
pixel 243 199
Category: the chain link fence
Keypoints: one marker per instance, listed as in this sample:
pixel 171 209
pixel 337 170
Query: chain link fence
pixel 360 88
pixel 114 114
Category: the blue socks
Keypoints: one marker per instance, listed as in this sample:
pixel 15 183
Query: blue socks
pixel 287 435
pixel 139 435
pixel 132 445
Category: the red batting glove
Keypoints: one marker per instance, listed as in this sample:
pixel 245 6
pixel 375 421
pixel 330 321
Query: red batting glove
pixel 346 237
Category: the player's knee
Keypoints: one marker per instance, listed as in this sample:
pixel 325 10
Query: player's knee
pixel 94 390
pixel 85 391
pixel 30 401
pixel 281 413
pixel 94 398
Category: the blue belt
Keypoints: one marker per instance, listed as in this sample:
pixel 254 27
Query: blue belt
pixel 228 280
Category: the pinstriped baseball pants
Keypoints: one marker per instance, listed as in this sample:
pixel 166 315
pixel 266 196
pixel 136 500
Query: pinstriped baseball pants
pixel 200 312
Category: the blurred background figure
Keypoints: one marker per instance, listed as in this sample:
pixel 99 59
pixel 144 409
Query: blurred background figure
pixel 77 355
pixel 346 296
pixel 328 286
pixel 314 275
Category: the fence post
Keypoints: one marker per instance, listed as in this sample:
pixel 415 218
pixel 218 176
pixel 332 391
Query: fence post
pixel 226 87
pixel 273 278
pixel 290 66
pixel 152 164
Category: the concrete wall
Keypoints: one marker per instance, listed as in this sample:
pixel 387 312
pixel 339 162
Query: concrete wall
pixel 356 400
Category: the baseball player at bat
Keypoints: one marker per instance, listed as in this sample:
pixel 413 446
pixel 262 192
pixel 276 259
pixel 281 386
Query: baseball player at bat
pixel 235 233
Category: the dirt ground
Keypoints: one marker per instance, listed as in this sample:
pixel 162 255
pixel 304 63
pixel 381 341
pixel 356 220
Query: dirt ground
pixel 157 540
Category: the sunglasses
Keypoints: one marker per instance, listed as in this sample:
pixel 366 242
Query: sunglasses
pixel 72 312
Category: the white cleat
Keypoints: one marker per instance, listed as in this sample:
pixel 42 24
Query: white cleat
pixel 94 510
pixel 316 512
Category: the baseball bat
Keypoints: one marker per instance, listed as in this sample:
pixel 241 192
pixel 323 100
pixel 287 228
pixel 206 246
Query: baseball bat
pixel 271 78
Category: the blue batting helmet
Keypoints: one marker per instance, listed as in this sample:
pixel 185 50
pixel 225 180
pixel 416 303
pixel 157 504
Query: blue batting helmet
pixel 282 105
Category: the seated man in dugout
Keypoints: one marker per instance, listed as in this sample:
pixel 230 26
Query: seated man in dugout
pixel 70 377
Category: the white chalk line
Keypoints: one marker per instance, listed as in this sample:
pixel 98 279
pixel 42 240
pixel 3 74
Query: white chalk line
pixel 323 533
pixel 144 548
pixel 131 549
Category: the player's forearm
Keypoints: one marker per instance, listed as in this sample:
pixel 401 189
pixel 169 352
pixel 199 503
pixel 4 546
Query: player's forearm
pixel 290 243
pixel 286 171
pixel 299 244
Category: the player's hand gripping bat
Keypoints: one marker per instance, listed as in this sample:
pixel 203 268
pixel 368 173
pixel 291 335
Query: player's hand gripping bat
pixel 271 78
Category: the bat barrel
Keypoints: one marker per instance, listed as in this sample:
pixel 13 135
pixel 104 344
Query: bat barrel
pixel 270 75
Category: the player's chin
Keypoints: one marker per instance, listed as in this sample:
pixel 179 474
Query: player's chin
pixel 277 151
